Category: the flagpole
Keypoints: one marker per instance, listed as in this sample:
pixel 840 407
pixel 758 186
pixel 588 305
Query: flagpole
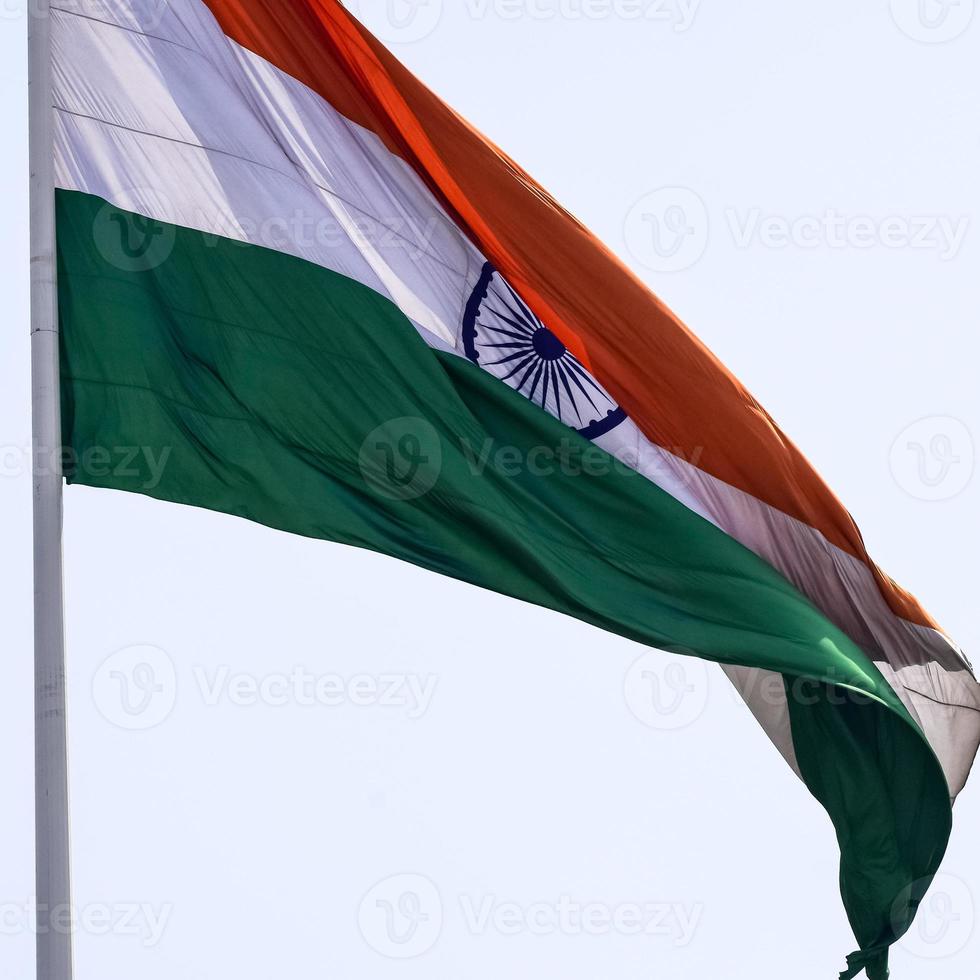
pixel 53 879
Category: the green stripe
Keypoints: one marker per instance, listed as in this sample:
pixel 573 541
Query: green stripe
pixel 298 398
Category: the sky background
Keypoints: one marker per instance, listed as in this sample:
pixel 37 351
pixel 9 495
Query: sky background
pixel 799 182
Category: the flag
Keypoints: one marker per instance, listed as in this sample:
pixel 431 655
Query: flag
pixel 292 273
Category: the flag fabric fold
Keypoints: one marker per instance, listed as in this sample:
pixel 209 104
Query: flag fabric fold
pixel 343 313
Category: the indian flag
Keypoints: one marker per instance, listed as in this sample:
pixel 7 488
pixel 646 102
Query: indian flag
pixel 341 312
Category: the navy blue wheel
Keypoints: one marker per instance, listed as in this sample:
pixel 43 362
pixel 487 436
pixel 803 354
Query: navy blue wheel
pixel 503 336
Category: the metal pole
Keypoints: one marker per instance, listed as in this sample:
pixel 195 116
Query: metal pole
pixel 54 941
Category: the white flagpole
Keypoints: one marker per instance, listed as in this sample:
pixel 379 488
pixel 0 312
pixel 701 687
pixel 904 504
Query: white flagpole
pixel 54 941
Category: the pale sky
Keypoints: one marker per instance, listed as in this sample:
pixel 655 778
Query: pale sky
pixel 341 734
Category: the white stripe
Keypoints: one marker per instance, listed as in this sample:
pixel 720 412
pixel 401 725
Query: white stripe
pixel 161 114
pixel 218 140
